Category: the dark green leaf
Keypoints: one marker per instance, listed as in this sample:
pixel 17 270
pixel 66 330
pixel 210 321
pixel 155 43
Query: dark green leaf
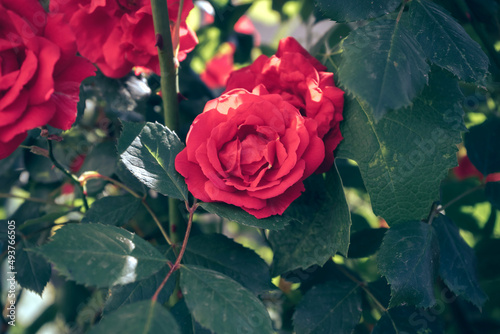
pixel 320 230
pixel 113 210
pixel 183 317
pixel 355 10
pixel 457 262
pixel 33 271
pixel 404 156
pixel 383 65
pixel 121 295
pixel 408 320
pixel 408 258
pixel 236 214
pixel 148 151
pixel 365 242
pixel 221 304
pixel 483 146
pixel 329 308
pixel 142 317
pixel 492 191
pixel 445 41
pixel 219 253
pixel 101 255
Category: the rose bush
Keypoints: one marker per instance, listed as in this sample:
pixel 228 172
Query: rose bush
pixel 252 150
pixel 302 81
pixel 118 35
pixel 40 74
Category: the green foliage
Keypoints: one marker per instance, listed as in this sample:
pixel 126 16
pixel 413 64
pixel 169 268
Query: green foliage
pixel 101 255
pixel 333 307
pixel 407 319
pixel 236 214
pixel 457 265
pixel 32 269
pixel 142 317
pixel 313 238
pixel 394 69
pixel 148 151
pixel 405 155
pixel 140 290
pixel 408 258
pixel 116 210
pixel 445 42
pixel 347 11
pixel 231 259
pixel 208 292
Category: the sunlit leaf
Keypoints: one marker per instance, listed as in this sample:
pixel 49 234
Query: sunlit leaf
pixel 101 255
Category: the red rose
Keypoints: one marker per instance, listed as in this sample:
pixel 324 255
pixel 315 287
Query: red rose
pixel 119 34
pixel 219 67
pixel 250 150
pixel 301 80
pixel 40 74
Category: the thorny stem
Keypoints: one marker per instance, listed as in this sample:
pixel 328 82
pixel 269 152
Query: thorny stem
pixel 73 178
pixel 169 88
pixel 177 263
pixel 94 175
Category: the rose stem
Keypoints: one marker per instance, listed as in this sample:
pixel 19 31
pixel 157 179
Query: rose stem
pixel 177 263
pixel 73 178
pixel 169 92
pixel 92 175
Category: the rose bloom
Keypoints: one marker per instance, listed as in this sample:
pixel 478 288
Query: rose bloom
pixel 252 150
pixel 302 81
pixel 219 68
pixel 40 74
pixel 119 34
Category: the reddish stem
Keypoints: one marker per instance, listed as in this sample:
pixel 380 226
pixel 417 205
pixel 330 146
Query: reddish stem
pixel 177 263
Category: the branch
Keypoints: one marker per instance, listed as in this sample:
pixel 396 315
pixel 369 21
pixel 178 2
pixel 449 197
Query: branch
pixel 177 263
pixel 73 178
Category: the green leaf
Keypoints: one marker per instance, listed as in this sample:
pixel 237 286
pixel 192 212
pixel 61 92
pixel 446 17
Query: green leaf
pixel 121 295
pixel 332 307
pixel 321 228
pixel 33 271
pixel 101 255
pixel 238 215
pixel 404 156
pixel 183 317
pixel 142 317
pixel 365 242
pixel 408 320
pixel 445 42
pixel 408 258
pixel 148 151
pixel 383 65
pixel 221 304
pixel 355 10
pixel 492 192
pixel 219 253
pixel 457 263
pixel 483 144
pixel 113 210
